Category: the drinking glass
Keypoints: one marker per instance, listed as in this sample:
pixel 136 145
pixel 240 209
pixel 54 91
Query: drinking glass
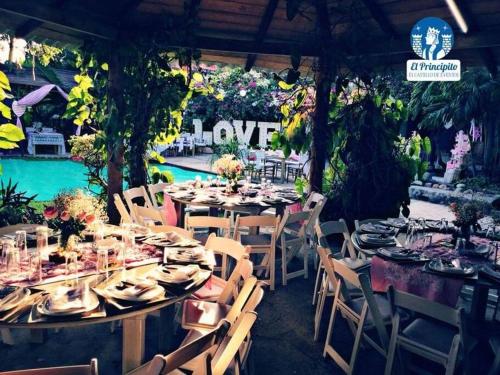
pixel 460 245
pixel 249 180
pixel 128 239
pixel 42 239
pixel 71 268
pixel 263 182
pixel 121 256
pixel 21 243
pixel 11 258
pixel 35 267
pixel 102 261
pixel 209 180
pixel 427 240
pixel 410 235
pixel 443 225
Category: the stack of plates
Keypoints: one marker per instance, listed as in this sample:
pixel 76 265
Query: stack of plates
pixel 451 268
pixel 396 223
pixel 401 255
pixel 63 304
pixel 196 255
pixel 373 239
pixel 137 290
pixel 377 228
pixel 11 296
pixel 170 274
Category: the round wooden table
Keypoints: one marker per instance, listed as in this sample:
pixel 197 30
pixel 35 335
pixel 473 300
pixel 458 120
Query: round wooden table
pixel 134 320
pixel 252 209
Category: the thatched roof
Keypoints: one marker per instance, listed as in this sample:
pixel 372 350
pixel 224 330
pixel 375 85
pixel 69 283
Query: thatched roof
pixel 257 32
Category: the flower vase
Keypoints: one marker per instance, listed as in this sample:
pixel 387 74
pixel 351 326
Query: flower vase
pixel 465 232
pixel 232 186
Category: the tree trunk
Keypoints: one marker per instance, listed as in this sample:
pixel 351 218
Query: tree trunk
pixel 114 136
pixel 137 158
pixel 323 80
pixel 490 148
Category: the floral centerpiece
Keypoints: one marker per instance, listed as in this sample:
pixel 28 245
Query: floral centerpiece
pixel 466 216
pixel 230 168
pixel 72 213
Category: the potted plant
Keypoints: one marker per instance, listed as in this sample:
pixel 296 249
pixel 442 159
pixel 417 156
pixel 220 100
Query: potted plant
pixel 466 216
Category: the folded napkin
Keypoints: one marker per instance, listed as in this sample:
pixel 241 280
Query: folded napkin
pixel 65 299
pixel 139 287
pixel 183 273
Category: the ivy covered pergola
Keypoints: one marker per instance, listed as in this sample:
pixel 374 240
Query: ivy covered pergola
pixel 327 35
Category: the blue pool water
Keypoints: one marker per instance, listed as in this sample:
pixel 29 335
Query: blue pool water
pixel 48 177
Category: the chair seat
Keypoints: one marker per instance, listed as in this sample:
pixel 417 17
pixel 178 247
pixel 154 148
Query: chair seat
pixel 294 226
pixel 433 334
pixel 202 314
pixel 200 236
pixel 383 304
pixel 255 239
pixel 212 289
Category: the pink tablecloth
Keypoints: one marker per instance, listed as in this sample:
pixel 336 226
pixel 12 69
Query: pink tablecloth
pixel 412 279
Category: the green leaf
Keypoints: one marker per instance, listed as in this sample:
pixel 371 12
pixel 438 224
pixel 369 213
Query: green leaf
pixel 105 67
pixel 156 156
pixel 301 96
pixel 11 132
pixel 399 104
pixel 285 110
pixel 427 146
pixel 378 100
pixel 7 145
pixel 197 77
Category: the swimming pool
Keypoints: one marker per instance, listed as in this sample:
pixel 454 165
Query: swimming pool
pixel 48 177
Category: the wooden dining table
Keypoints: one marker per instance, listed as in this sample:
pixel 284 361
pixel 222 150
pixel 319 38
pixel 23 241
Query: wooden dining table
pixel 132 316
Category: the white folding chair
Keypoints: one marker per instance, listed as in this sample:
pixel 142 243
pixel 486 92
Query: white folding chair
pixel 138 193
pixel 259 243
pixel 324 231
pixel 154 190
pixel 90 369
pixel 147 216
pixel 195 223
pixel 372 311
pixel 122 210
pixel 435 334
pixel 291 233
pixel 170 228
pixel 228 249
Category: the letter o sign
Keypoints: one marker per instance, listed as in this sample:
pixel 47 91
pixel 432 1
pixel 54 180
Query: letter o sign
pixel 227 127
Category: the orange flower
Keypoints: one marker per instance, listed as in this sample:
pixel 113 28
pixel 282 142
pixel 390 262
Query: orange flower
pixel 81 216
pixel 89 219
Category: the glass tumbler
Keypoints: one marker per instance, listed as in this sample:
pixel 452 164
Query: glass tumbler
pixel 72 268
pixel 102 263
pixel 35 267
pixel 42 238
pixel 21 243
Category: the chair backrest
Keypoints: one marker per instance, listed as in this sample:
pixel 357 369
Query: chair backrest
pixel 315 204
pixel 242 271
pixel 225 247
pixel 120 206
pixel 139 193
pixel 204 345
pixel 291 218
pixel 324 255
pixel 155 189
pixel 253 301
pixel 146 215
pixel 240 301
pixel 170 228
pixel 312 200
pixel 329 228
pixel 423 306
pixel 90 369
pixel 222 223
pixel 231 345
pixel 257 222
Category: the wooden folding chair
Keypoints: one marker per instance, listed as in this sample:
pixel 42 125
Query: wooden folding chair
pixel 90 369
pixel 122 210
pixel 220 290
pixel 154 190
pixel 291 233
pixel 147 216
pixel 323 231
pixel 259 243
pixel 170 228
pixel 227 249
pixel 435 334
pixel 200 350
pixel 372 311
pixel 140 194
pixel 194 223
pixel 198 314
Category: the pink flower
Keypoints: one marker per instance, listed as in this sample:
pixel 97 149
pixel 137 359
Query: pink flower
pixel 252 84
pixel 50 213
pixel 81 216
pixel 65 216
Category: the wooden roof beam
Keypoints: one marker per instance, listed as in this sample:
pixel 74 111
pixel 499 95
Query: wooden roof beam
pixel 261 33
pixel 31 24
pixel 72 18
pixel 487 54
pixel 381 18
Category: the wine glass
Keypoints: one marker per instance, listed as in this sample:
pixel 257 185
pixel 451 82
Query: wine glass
pixel 21 243
pixel 102 261
pixel 11 257
pixel 460 245
pixel 72 268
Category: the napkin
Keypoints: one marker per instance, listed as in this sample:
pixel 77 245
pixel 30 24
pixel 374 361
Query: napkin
pixel 65 299
pixel 183 273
